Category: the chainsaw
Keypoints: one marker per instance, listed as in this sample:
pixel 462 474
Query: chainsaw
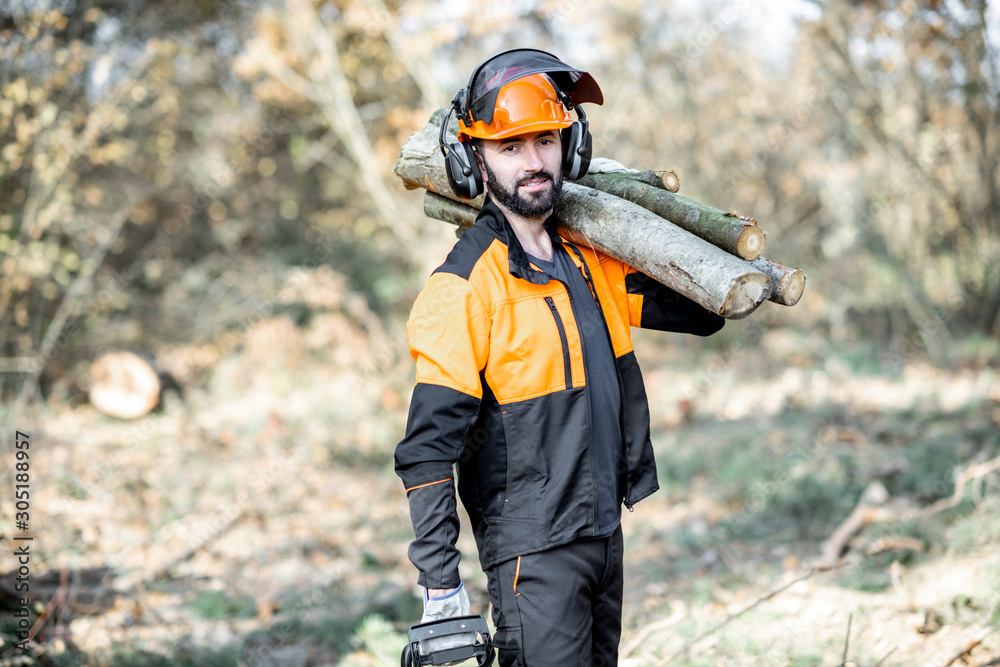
pixel 480 646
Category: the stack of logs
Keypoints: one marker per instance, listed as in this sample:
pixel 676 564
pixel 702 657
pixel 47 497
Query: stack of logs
pixel 714 257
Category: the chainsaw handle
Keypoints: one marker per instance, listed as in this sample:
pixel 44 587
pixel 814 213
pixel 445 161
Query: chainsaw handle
pixel 483 652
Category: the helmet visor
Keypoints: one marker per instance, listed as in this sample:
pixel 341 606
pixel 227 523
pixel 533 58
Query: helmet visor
pixel 500 70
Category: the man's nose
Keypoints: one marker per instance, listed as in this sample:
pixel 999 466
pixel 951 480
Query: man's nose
pixel 532 160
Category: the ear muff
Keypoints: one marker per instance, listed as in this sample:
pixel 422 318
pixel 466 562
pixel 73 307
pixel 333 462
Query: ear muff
pixel 459 158
pixel 463 171
pixel 578 146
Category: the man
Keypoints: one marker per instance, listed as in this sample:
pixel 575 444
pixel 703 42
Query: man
pixel 526 379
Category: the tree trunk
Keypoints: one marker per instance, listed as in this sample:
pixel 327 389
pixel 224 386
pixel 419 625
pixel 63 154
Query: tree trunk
pixel 720 282
pixel 725 229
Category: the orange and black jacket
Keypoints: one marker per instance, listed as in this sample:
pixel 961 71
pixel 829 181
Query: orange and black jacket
pixel 501 392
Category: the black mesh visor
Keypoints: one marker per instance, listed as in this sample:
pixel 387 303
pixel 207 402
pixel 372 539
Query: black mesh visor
pixel 503 68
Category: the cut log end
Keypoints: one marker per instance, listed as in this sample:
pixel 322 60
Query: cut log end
pixel 751 242
pixel 750 294
pixel 787 283
pixel 123 385
pixel 671 181
pixel 792 287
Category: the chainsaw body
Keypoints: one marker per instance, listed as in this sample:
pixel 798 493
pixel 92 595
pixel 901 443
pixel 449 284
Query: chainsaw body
pixel 481 648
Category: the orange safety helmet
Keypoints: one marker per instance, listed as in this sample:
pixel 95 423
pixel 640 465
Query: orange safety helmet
pixel 519 91
pixel 526 105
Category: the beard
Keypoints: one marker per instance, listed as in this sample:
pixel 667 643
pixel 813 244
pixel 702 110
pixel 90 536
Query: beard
pixel 532 205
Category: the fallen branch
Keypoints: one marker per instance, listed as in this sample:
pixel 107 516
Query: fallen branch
pixel 874 506
pixel 687 647
pixel 870 508
pixel 966 652
pixel 972 473
pixel 139 578
pixel 886 656
pixel 847 640
pixel 677 614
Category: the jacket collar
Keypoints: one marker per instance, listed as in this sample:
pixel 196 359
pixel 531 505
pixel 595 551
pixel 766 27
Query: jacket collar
pixel 492 219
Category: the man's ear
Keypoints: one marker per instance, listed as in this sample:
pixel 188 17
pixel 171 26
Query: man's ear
pixel 482 169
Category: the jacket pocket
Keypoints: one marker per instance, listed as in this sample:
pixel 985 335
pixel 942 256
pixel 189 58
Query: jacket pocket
pixel 562 340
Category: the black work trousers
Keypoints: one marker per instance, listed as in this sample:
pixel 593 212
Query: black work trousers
pixel 560 607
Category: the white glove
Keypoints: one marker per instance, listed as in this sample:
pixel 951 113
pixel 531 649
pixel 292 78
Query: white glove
pixel 603 165
pixel 455 603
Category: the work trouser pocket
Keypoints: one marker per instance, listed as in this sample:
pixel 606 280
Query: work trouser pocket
pixel 509 637
pixel 508 643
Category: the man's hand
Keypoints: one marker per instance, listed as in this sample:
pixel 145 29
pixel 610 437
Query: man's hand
pixel 440 592
pixel 442 603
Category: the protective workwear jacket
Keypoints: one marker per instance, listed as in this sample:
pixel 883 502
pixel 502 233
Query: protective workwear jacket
pixel 501 392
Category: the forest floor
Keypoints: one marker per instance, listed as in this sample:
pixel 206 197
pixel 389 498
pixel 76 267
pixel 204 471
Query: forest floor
pixel 258 521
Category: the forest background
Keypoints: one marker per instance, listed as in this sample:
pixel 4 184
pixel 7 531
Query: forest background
pixel 208 184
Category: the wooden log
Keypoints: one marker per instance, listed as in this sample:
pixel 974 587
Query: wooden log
pixel 665 180
pixel 421 165
pixel 449 210
pixel 123 385
pixel 787 283
pixel 728 230
pixel 720 282
pixel 671 181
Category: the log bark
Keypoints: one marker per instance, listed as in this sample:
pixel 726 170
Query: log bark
pixel 421 165
pixel 726 229
pixel 787 284
pixel 720 282
pixel 449 210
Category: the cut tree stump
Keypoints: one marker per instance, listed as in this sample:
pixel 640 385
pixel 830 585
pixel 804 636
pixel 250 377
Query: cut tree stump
pixel 123 385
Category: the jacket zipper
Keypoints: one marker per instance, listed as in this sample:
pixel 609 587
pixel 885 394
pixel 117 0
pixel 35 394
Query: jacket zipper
pixel 563 341
pixel 621 389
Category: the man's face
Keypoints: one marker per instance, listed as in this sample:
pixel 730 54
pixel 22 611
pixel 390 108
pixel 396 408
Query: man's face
pixel 524 173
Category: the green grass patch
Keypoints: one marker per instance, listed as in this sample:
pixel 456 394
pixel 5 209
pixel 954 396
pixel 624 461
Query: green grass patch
pixel 218 605
pixel 182 656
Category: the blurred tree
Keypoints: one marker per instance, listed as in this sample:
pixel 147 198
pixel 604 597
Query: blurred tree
pixel 914 122
pixel 76 106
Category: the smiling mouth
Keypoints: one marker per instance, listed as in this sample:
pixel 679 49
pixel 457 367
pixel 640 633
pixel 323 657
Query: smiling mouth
pixel 535 183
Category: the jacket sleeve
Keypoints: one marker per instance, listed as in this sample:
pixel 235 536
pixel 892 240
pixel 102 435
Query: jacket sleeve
pixel 653 305
pixel 448 332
